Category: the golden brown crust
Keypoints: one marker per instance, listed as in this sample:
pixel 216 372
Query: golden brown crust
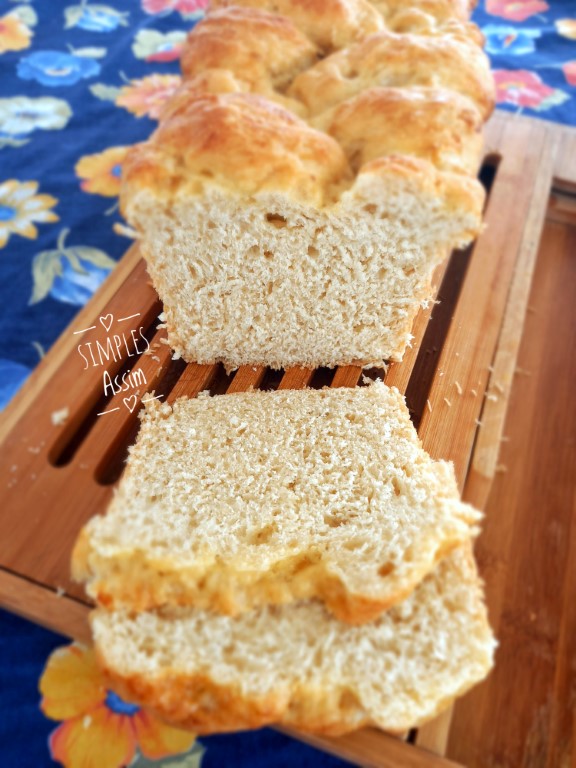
pixel 198 704
pixel 436 125
pixel 422 15
pixel 195 702
pixel 263 49
pixel 329 24
pixel 144 584
pixel 239 141
pixel 451 61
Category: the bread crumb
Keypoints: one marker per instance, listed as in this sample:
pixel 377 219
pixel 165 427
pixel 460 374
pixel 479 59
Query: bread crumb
pixel 32 449
pixel 478 422
pixel 87 721
pixel 501 468
pixel 499 387
pixel 448 403
pixel 156 358
pixel 441 373
pixel 122 229
pixel 60 591
pixel 493 398
pixel 458 387
pixel 474 392
pixel 522 372
pixel 428 405
pixel 60 417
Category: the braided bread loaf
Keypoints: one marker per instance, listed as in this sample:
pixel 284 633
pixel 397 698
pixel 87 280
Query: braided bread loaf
pixel 314 168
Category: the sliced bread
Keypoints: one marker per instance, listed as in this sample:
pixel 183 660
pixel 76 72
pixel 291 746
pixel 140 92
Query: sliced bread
pixel 238 501
pixel 298 666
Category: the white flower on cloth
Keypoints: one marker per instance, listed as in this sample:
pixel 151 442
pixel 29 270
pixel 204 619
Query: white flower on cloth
pixel 21 115
pixel 20 206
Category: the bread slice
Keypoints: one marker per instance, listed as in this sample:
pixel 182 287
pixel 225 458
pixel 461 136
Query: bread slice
pixel 291 211
pixel 298 666
pixel 237 501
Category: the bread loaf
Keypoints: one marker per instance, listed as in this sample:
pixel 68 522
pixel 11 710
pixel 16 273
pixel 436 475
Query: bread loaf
pixel 315 167
pixel 237 501
pixel 298 666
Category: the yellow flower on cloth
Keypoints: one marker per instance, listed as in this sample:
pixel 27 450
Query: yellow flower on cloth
pixel 100 730
pixel 101 172
pixel 566 28
pixel 148 95
pixel 20 206
pixel 15 35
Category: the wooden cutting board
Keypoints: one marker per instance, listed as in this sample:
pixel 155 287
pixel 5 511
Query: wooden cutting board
pixel 63 441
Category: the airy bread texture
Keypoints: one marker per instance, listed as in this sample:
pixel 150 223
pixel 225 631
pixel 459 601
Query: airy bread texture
pixel 296 665
pixel 237 501
pixel 308 177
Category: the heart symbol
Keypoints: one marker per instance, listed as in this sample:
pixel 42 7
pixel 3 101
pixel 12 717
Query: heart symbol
pixel 107 321
pixel 130 402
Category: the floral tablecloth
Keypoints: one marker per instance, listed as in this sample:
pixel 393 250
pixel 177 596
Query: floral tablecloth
pixel 80 81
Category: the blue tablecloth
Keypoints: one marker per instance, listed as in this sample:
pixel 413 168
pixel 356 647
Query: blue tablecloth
pixel 78 84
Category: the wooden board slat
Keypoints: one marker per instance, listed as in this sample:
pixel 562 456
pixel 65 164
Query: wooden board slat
pixel 371 748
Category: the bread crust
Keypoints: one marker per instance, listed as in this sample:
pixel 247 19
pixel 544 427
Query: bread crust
pixel 329 24
pixel 197 703
pixel 452 61
pixel 143 583
pixel 242 142
pixel 263 49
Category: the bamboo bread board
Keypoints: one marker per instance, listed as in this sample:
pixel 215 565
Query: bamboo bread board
pixel 59 459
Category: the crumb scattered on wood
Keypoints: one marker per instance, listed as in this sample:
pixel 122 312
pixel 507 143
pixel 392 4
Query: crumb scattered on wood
pixel 155 357
pixel 478 422
pixel 32 449
pixel 429 405
pixel 522 372
pixel 501 468
pixel 60 591
pixel 474 392
pixel 448 403
pixel 60 417
pixel 458 387
pixel 492 397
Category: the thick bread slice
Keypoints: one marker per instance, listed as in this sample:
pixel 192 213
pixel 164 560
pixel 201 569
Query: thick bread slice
pixel 237 501
pixel 298 666
pixel 255 204
pixel 266 248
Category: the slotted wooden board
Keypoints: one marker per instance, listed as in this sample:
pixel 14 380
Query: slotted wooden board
pixel 55 473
